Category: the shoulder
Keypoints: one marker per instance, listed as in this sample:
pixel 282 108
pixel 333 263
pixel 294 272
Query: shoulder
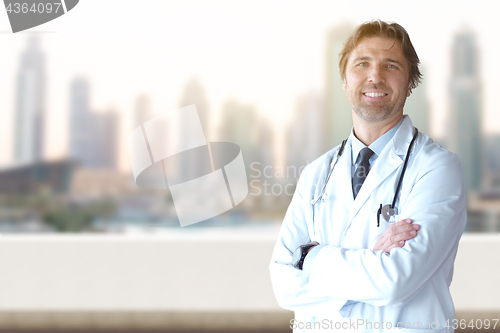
pixel 436 178
pixel 431 156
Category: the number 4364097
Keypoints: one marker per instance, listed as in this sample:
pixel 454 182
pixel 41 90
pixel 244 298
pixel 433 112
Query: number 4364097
pixel 34 8
pixel 473 324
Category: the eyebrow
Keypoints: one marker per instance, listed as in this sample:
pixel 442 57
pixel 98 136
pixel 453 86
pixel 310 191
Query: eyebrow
pixel 385 60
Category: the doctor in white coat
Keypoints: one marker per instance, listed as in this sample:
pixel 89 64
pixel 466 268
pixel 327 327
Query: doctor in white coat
pixel 353 270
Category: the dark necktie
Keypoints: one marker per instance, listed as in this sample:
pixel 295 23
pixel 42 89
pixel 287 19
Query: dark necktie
pixel 362 170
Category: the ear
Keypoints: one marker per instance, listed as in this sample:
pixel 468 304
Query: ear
pixel 408 93
pixel 344 84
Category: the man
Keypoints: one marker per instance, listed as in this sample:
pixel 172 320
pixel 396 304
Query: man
pixel 338 263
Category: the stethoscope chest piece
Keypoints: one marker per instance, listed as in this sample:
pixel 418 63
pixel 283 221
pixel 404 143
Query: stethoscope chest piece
pixel 388 212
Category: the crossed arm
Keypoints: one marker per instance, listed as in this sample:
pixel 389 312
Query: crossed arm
pixel 372 276
pixel 394 236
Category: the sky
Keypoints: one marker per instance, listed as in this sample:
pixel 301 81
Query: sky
pixel 263 53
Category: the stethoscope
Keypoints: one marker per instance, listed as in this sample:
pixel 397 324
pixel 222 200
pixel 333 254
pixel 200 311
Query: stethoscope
pixel 386 211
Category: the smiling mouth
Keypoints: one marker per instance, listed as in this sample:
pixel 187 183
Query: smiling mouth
pixel 375 94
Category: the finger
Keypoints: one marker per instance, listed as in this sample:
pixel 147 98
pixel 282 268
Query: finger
pixel 391 231
pixel 388 243
pixel 394 227
pixel 404 228
pixel 382 246
pixel 393 246
pixel 404 236
pixel 403 222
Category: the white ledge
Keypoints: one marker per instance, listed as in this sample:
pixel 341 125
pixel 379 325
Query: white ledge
pixel 206 270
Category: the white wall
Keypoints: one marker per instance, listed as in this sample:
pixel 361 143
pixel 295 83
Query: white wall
pixel 215 277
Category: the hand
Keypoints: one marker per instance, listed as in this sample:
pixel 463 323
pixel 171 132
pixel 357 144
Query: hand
pixel 312 247
pixel 396 235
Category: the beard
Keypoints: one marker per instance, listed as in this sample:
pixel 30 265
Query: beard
pixel 373 112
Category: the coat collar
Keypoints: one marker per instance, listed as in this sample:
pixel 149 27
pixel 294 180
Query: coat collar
pixel 403 136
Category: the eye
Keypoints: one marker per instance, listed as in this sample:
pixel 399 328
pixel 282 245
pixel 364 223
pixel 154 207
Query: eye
pixel 391 66
pixel 362 64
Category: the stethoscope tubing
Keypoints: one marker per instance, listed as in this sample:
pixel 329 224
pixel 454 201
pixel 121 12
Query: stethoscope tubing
pixel 332 166
pixel 404 168
pixel 341 150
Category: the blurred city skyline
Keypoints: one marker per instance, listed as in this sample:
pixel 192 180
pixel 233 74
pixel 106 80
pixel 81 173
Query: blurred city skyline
pixel 271 65
pixel 274 90
pixel 262 74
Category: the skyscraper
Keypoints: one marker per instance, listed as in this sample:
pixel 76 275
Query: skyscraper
pixel 30 104
pixel 417 106
pixel 492 161
pixel 338 119
pixel 304 136
pixel 464 135
pixel 142 111
pixel 80 119
pixel 106 125
pixel 93 137
pixel 264 158
pixel 240 125
pixel 194 93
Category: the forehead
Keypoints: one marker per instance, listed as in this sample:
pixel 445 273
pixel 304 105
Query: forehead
pixel 376 46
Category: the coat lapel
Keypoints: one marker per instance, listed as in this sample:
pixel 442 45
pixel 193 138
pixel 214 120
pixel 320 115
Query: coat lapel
pixel 344 176
pixel 391 158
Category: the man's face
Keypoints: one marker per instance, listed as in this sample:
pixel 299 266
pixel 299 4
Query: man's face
pixel 376 79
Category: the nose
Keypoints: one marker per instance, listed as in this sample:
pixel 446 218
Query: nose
pixel 376 75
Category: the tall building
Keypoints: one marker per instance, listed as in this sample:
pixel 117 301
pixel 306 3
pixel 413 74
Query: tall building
pixel 464 135
pixel 239 125
pixel 30 104
pixel 80 120
pixel 93 137
pixel 106 126
pixel 264 159
pixel 194 93
pixel 265 145
pixel 196 165
pixel 417 106
pixel 304 136
pixel 143 111
pixel 491 179
pixel 338 118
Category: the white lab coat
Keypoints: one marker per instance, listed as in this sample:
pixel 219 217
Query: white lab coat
pixel 409 285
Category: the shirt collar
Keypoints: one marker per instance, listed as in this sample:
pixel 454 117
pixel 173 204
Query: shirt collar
pixel 377 146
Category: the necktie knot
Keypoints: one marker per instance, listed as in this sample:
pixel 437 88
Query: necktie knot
pixel 365 154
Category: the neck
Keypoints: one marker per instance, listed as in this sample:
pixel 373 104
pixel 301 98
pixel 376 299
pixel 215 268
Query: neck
pixel 367 132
